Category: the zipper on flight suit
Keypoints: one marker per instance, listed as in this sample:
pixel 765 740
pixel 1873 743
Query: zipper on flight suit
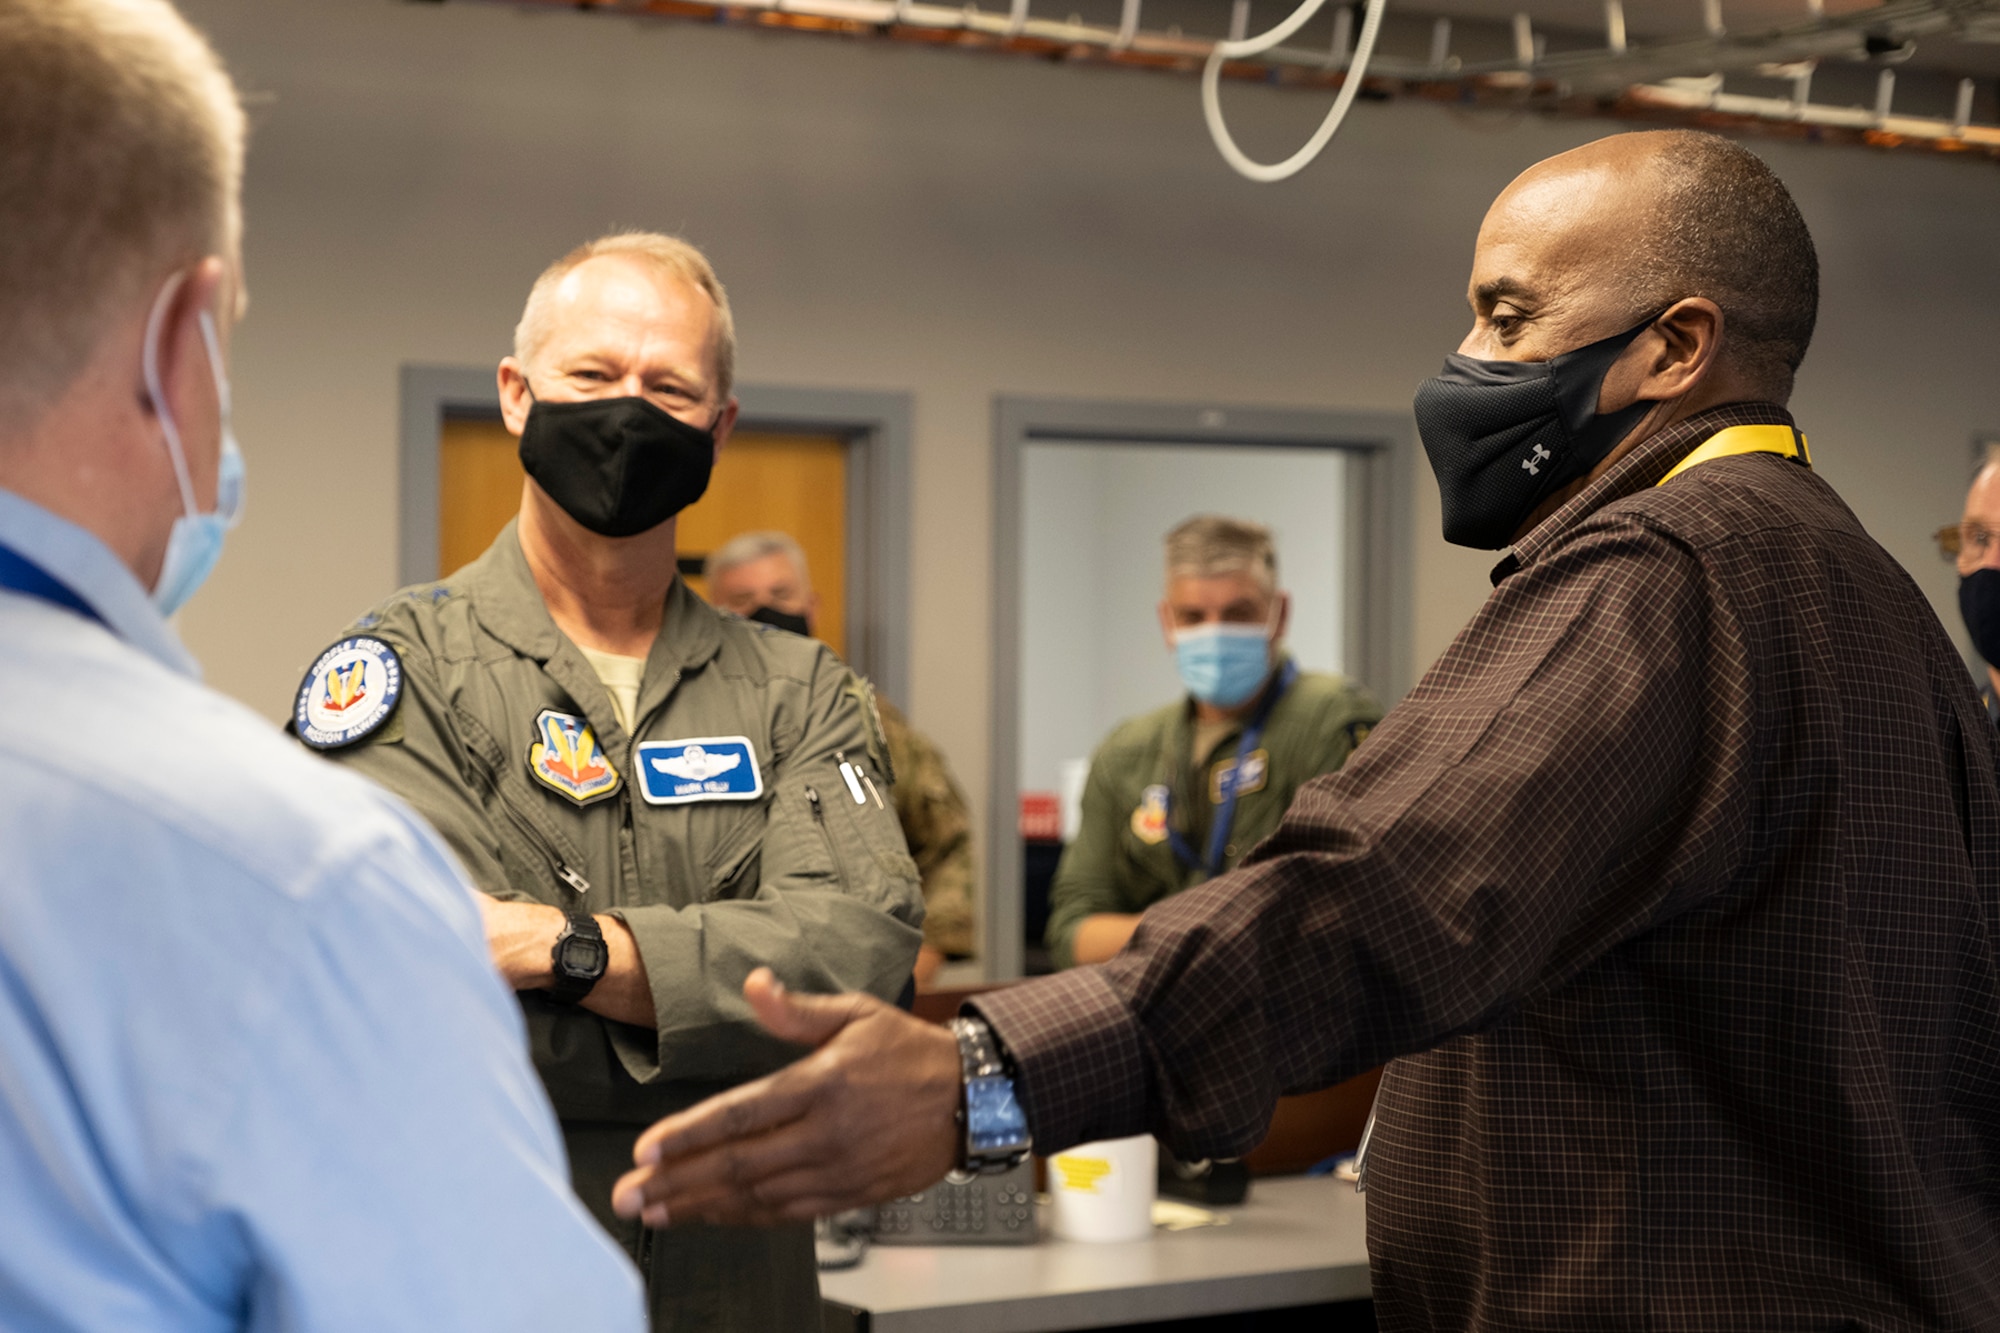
pixel 575 882
pixel 819 821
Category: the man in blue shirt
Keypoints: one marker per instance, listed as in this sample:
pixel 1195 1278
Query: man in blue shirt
pixel 256 1070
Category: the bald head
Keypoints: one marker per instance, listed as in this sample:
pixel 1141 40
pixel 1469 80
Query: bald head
pixel 1599 238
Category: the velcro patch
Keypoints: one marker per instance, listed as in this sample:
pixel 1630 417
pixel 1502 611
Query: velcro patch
pixel 566 758
pixel 702 768
pixel 349 693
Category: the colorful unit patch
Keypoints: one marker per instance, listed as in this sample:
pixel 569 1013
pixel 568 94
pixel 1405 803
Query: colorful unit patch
pixel 351 691
pixel 1149 821
pixel 705 768
pixel 566 759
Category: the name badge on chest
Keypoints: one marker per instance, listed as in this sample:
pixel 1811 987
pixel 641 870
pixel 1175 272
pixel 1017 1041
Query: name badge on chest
pixel 704 768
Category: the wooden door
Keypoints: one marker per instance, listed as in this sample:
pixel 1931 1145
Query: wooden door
pixel 794 483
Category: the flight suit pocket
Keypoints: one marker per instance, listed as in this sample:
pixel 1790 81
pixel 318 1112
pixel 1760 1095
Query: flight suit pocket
pixel 546 853
pixel 735 860
pixel 861 831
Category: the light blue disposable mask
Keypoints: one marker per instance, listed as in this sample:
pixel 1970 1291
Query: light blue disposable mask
pixel 195 544
pixel 1223 665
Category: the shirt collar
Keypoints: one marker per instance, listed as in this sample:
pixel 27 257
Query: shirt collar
pixel 1637 471
pixel 512 610
pixel 78 559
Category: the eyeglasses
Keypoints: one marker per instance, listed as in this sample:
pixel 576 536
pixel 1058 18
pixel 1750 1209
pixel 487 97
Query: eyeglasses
pixel 1967 543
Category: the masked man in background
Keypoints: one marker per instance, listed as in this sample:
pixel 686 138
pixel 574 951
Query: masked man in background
pixel 1180 795
pixel 1672 890
pixel 764 576
pixel 658 798
pixel 1973 544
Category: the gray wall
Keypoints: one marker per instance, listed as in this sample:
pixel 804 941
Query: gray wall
pixel 955 225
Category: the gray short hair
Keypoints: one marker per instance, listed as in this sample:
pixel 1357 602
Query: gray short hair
pixel 664 254
pixel 1209 545
pixel 747 546
pixel 121 153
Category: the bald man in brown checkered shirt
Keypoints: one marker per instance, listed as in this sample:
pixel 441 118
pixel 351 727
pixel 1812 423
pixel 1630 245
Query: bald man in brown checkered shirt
pixel 1672 892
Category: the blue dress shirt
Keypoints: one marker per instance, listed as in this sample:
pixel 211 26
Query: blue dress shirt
pixel 256 1068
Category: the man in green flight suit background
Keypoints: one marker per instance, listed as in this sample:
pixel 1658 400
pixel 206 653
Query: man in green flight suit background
pixel 1180 794
pixel 658 798
pixel 764 576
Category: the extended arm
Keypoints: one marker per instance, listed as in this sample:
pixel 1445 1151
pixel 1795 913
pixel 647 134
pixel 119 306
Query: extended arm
pixel 1531 805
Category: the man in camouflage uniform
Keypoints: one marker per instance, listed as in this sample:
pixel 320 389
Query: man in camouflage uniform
pixel 1179 795
pixel 657 798
pixel 764 576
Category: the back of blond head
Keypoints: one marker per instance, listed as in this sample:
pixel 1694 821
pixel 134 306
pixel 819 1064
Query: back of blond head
pixel 121 157
pixel 1209 545
pixel 663 254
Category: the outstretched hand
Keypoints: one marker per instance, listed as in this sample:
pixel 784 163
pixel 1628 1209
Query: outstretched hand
pixel 869 1115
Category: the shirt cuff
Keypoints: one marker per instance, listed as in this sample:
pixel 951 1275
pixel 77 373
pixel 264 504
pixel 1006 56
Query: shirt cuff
pixel 1079 1058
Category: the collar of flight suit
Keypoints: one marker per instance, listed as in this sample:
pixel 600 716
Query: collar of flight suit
pixel 1640 470
pixel 510 608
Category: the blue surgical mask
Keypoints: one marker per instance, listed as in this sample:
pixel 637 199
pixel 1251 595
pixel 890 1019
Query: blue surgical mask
pixel 1223 665
pixel 195 544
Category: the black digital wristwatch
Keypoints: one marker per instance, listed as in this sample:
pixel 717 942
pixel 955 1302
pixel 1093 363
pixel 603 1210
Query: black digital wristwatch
pixel 580 957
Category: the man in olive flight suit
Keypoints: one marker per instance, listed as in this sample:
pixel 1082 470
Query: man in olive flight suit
pixel 658 798
pixel 764 576
pixel 1180 794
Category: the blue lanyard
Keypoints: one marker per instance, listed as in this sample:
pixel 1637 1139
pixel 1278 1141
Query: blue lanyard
pixel 1225 814
pixel 22 575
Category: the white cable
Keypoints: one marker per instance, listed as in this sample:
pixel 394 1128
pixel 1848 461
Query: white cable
pixel 1211 97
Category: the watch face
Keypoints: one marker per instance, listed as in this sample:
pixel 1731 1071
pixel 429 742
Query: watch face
pixel 994 1121
pixel 583 957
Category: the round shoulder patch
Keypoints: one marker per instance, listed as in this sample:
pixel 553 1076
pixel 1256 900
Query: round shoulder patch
pixel 350 692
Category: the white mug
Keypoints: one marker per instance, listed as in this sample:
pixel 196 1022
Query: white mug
pixel 1105 1191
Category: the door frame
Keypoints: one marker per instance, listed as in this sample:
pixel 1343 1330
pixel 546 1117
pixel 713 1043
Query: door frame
pixel 1379 624
pixel 874 424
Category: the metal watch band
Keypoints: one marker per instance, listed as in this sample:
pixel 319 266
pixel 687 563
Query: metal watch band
pixel 567 989
pixel 984 1076
pixel 978 1050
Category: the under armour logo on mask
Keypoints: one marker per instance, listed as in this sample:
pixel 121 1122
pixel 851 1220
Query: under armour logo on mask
pixel 1534 465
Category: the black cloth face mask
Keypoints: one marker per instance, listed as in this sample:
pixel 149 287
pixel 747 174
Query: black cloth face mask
pixel 618 466
pixel 1979 603
pixel 1502 436
pixel 771 615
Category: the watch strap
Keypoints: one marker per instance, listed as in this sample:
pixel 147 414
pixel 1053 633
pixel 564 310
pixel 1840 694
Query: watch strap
pixel 983 1063
pixel 568 987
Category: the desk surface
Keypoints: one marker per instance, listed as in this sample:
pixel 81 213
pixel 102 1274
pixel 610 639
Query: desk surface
pixel 1298 1241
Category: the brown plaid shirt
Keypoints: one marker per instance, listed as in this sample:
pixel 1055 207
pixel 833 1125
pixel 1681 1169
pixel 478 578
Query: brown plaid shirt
pixel 1673 891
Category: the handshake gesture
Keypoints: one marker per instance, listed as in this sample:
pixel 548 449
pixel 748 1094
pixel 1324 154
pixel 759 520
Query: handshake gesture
pixel 871 1114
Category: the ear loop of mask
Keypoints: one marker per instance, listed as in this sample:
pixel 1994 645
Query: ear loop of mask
pixel 150 364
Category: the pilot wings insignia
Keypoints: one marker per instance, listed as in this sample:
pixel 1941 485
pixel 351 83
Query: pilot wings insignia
pixel 697 765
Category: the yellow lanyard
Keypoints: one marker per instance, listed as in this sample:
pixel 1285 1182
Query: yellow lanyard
pixel 1784 440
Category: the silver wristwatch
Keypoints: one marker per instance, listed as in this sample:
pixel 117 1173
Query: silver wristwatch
pixel 996 1135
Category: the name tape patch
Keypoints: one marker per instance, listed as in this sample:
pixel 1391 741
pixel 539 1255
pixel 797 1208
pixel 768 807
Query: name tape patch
pixel 704 768
pixel 349 693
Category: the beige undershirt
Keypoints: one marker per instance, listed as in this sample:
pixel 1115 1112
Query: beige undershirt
pixel 1208 735
pixel 621 677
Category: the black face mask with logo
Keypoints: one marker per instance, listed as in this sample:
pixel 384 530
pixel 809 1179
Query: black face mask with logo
pixel 618 466
pixel 771 615
pixel 1502 436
